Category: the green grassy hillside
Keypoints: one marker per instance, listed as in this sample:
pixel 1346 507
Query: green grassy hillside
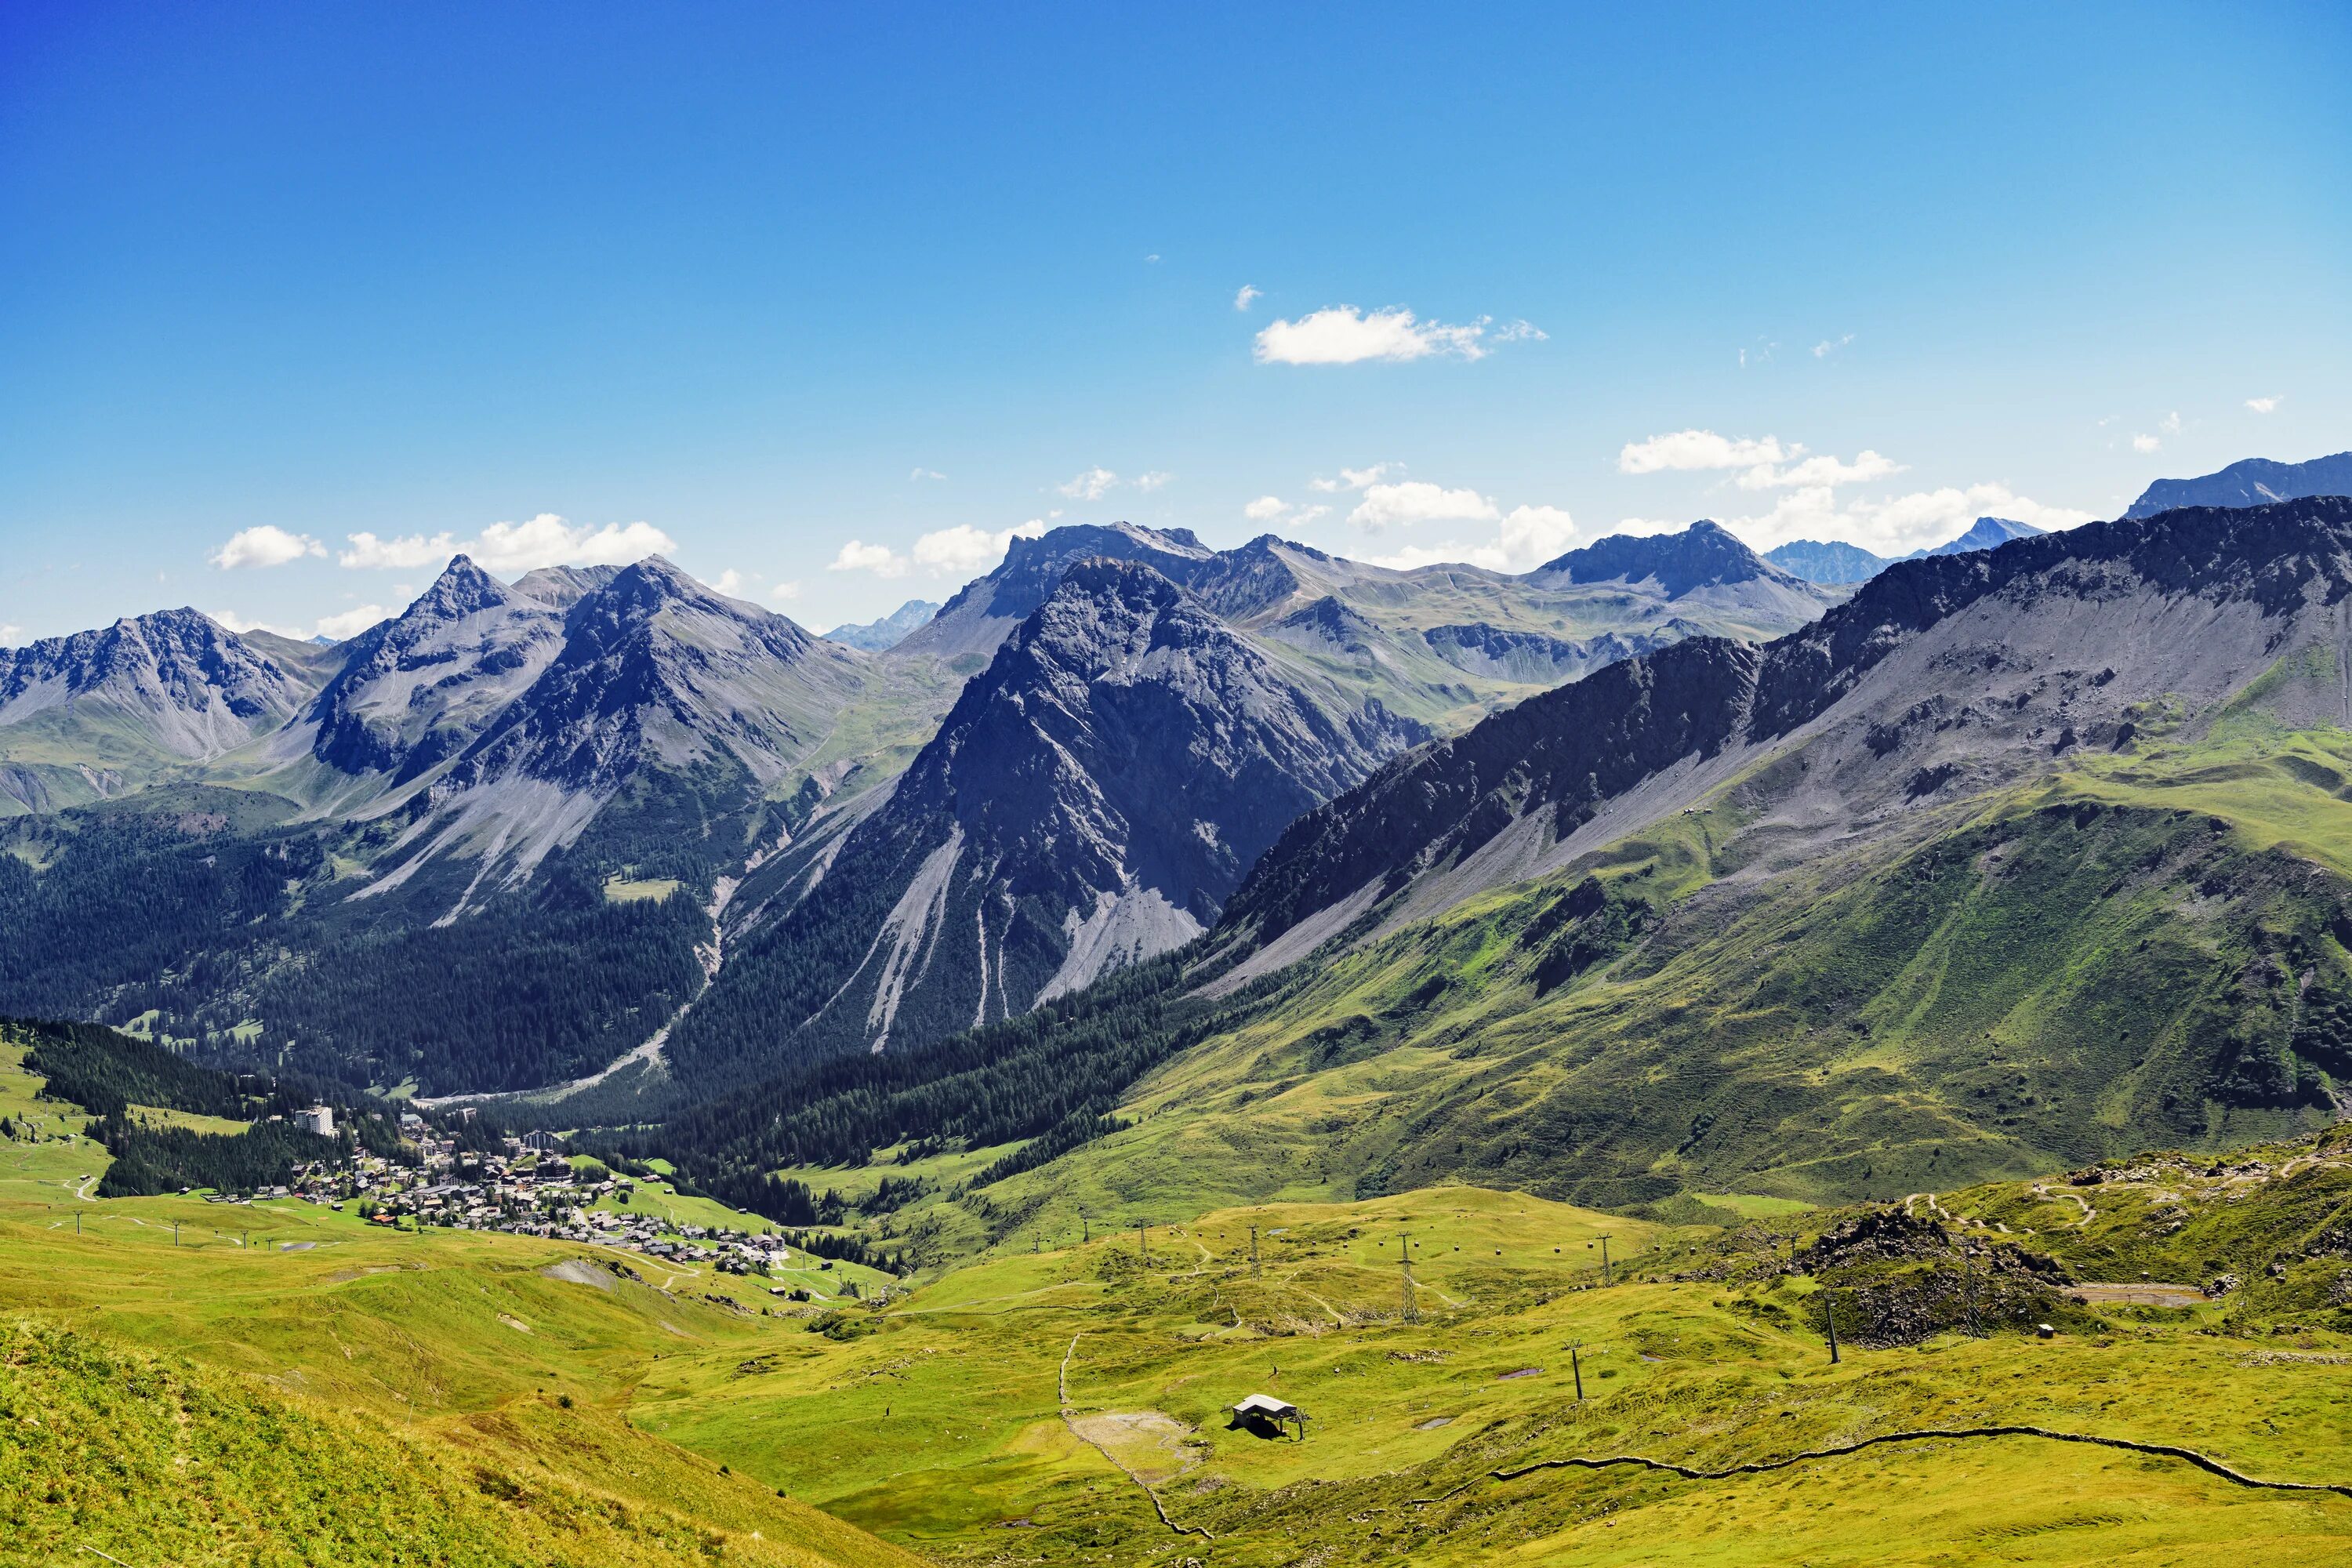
pixel 280 1383
pixel 2141 949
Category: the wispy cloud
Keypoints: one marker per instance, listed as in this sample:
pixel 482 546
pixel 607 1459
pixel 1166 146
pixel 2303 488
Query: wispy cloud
pixel 859 556
pixel 1155 479
pixel 1245 294
pixel 2144 443
pixel 960 550
pixel 265 545
pixel 1895 525
pixel 923 473
pixel 1353 479
pixel 546 540
pixel 1091 485
pixel 1413 502
pixel 10 635
pixel 784 592
pixel 1822 470
pixel 1274 508
pixel 1829 346
pixel 2264 405
pixel 351 622
pixel 1700 449
pixel 1343 334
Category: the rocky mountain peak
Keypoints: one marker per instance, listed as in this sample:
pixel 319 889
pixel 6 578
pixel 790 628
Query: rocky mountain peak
pixel 194 687
pixel 1705 554
pixel 462 589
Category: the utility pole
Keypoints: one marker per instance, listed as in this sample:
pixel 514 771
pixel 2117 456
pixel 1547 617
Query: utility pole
pixel 1254 1274
pixel 1576 1366
pixel 175 1232
pixel 1605 1277
pixel 1404 1267
pixel 1086 1232
pixel 1143 1240
pixel 1828 1316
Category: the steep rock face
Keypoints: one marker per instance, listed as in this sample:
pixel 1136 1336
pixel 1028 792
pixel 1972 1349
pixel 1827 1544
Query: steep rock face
pixel 2060 637
pixel 685 701
pixel 880 636
pixel 174 681
pixel 416 690
pixel 2256 481
pixel 983 613
pixel 1091 800
pixel 1534 658
pixel 656 666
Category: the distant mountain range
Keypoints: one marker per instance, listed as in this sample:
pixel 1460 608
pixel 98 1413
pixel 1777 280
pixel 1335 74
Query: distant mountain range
pixel 669 797
pixel 2252 482
pixel 1833 561
pixel 879 637
pixel 2017 861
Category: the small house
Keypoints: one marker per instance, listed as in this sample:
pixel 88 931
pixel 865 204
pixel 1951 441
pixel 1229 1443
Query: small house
pixel 1265 1414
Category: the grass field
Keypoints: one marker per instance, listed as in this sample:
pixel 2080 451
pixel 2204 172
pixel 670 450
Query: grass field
pixel 1018 1409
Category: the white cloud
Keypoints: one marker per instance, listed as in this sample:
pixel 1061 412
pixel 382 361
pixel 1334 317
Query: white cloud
pixel 1822 470
pixel 1246 293
pixel 1342 334
pixel 923 473
pixel 241 626
pixel 859 556
pixel 1353 479
pixel 1265 508
pixel 1153 480
pixel 2171 423
pixel 265 545
pixel 1529 536
pixel 2264 405
pixel 1092 485
pixel 1894 525
pixel 963 551
pixel 1534 534
pixel 548 541
pixel 400 554
pixel 729 583
pixel 514 547
pixel 1411 502
pixel 784 592
pixel 1153 256
pixel 1685 450
pixel 1520 331
pixel 1829 346
pixel 351 622
pixel 2144 443
pixel 9 635
pixel 966 551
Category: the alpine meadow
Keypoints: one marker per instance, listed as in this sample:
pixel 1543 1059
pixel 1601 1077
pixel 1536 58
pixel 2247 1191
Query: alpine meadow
pixel 1056 786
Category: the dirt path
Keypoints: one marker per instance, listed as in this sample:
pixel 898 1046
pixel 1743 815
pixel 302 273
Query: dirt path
pixel 1069 1419
pixel 1760 1467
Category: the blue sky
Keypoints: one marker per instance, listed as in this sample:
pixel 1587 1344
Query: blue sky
pixel 833 299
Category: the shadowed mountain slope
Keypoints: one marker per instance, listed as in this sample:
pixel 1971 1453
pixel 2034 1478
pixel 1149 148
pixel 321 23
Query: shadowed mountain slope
pixel 1091 800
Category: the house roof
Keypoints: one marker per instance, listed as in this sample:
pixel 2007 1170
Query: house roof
pixel 1265 1404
